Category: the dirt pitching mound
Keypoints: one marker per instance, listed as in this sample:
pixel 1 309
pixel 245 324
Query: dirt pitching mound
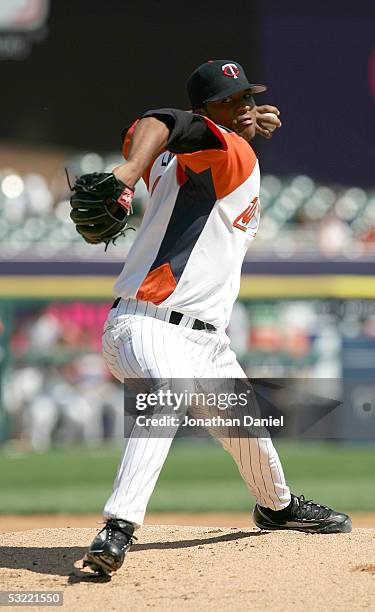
pixel 189 568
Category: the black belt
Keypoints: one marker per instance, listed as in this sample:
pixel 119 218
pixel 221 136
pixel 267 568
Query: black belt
pixel 176 317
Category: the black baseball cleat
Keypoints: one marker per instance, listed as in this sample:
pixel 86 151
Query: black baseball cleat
pixel 108 549
pixel 303 515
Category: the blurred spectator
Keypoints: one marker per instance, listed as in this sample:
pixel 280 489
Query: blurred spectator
pixel 334 236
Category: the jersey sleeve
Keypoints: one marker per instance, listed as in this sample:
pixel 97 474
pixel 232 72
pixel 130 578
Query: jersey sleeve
pixel 188 132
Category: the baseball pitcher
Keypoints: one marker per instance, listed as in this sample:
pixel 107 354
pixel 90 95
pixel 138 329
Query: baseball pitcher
pixel 176 291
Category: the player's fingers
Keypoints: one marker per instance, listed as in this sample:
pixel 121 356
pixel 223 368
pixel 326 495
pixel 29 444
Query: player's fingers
pixel 268 108
pixel 269 120
pixel 263 132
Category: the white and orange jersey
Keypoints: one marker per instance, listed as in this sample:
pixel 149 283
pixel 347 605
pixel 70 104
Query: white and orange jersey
pixel 202 215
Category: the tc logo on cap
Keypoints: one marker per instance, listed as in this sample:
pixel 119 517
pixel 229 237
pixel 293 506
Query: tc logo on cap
pixel 230 70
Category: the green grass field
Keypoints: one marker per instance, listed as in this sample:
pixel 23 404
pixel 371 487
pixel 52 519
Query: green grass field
pixel 196 477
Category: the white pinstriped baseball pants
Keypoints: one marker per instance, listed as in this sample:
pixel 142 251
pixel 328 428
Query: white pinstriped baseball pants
pixel 138 345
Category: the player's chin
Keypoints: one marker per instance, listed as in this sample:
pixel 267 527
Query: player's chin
pixel 247 133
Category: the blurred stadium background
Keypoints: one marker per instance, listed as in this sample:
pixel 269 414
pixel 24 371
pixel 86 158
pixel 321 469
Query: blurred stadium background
pixel 73 77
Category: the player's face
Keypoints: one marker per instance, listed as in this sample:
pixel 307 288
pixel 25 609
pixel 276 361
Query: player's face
pixel 237 112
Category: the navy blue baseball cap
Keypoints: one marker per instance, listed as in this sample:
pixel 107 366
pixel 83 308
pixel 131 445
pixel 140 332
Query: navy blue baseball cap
pixel 217 79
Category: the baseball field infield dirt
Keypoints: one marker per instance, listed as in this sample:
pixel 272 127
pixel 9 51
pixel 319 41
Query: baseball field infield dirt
pixel 175 567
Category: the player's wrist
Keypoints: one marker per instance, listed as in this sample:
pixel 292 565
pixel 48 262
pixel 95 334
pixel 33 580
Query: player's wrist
pixel 128 173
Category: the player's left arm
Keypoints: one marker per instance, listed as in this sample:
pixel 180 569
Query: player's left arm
pixel 266 125
pixel 149 138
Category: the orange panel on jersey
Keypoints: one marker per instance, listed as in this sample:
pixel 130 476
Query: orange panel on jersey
pixel 230 167
pixel 158 285
pixel 155 184
pixel 180 175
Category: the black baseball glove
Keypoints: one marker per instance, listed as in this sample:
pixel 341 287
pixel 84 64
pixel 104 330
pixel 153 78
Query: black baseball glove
pixel 101 205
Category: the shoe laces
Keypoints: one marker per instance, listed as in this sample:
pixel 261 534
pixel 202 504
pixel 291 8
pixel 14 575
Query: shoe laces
pixel 307 509
pixel 117 534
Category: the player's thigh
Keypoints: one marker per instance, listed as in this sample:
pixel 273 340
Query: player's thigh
pixel 143 347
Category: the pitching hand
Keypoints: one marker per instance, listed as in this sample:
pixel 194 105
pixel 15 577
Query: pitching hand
pixel 261 128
